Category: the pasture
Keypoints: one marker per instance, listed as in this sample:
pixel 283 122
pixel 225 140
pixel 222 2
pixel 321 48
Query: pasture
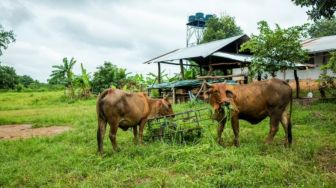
pixel 70 159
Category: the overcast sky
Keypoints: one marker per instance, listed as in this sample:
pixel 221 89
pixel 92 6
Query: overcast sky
pixel 125 32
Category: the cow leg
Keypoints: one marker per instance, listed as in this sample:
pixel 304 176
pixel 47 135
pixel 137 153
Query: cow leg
pixel 235 128
pixel 141 128
pixel 284 122
pixel 135 133
pixel 100 134
pixel 287 125
pixel 220 129
pixel 274 127
pixel 113 133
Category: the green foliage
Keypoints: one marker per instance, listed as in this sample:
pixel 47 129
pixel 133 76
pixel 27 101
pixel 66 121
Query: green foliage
pixel 151 78
pixel 63 74
pixel 6 37
pixel 19 87
pixel 221 28
pixel 136 83
pixel 83 81
pixel 108 75
pixel 331 65
pixel 26 80
pixel 328 82
pixel 70 159
pixel 274 50
pixel 323 27
pixel 190 72
pixel 318 8
pixel 9 80
pixel 8 77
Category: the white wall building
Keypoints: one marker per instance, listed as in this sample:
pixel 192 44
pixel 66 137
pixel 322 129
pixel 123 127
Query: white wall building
pixel 318 49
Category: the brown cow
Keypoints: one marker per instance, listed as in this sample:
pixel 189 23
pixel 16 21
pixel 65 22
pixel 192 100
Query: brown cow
pixel 125 110
pixel 253 103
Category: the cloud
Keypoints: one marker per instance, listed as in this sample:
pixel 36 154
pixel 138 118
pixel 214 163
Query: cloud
pixel 14 13
pixel 125 32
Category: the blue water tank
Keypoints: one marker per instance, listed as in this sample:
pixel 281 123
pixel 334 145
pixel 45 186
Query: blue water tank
pixel 208 17
pixel 200 16
pixel 191 18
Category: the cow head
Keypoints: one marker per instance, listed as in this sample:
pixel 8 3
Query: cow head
pixel 165 107
pixel 220 94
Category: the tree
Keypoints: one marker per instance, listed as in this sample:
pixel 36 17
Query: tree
pixel 83 81
pixel 8 77
pixel 108 75
pixel 328 82
pixel 6 37
pixel 221 28
pixel 136 82
pixel 323 27
pixel 275 50
pixel 318 8
pixel 25 80
pixel 64 75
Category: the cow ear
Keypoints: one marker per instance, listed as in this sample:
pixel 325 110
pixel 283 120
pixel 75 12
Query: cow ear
pixel 166 97
pixel 229 94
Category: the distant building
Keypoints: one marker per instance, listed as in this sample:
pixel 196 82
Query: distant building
pixel 224 55
pixel 319 52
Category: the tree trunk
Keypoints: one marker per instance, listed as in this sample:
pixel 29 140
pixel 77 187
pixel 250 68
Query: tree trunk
pixel 297 84
pixel 182 69
pixel 259 76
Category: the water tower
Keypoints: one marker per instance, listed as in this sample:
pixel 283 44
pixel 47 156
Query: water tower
pixel 195 27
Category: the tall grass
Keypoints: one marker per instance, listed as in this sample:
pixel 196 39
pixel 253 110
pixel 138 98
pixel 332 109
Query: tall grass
pixel 70 159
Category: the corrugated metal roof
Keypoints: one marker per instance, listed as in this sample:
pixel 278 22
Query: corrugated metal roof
pixel 202 50
pixel 237 57
pixel 322 44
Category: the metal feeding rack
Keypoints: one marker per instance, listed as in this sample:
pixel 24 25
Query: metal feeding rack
pixel 184 127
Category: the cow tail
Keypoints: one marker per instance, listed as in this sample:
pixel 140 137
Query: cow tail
pixel 102 120
pixel 289 126
pixel 100 103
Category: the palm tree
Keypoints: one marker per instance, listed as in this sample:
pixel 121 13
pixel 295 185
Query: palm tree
pixel 64 73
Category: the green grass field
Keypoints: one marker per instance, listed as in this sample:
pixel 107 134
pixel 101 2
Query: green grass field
pixel 71 160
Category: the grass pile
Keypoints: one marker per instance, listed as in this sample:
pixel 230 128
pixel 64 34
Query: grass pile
pixel 71 160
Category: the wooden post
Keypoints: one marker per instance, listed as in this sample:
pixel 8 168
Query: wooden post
pixel 297 84
pixel 245 79
pixel 159 77
pixel 159 73
pixel 210 66
pixel 182 69
pixel 225 72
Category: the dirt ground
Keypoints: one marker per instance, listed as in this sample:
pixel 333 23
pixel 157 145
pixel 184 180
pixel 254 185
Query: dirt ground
pixel 11 132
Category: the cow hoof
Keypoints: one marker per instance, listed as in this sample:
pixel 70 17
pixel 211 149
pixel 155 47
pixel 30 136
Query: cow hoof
pixel 117 149
pixel 100 153
pixel 287 145
pixel 236 143
pixel 220 142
